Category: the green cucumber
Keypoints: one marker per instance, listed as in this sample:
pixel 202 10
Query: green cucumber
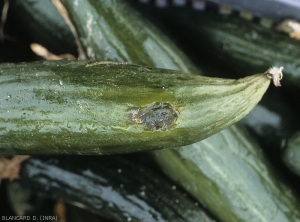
pixel 228 174
pixel 111 30
pixel 232 42
pixel 44 25
pixel 291 154
pixel 79 107
pixel 117 187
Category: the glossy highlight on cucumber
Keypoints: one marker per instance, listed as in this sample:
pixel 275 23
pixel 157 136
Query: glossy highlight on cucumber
pixel 115 186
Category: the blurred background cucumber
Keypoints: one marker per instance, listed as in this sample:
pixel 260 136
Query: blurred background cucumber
pixel 118 187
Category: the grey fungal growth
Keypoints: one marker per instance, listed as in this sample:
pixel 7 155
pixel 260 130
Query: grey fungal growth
pixel 156 116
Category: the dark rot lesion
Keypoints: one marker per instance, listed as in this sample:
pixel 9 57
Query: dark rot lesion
pixel 156 116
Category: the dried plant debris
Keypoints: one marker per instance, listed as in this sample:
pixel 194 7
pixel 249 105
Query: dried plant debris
pixel 10 167
pixel 291 27
pixel 63 11
pixel 43 52
pixel 3 19
pixel 275 73
pixel 60 211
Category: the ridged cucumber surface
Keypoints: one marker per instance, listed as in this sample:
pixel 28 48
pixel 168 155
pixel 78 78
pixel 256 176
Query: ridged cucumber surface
pixel 111 30
pixel 116 187
pixel 84 107
pixel 228 174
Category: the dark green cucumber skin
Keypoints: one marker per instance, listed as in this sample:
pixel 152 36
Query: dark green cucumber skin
pixel 111 30
pixel 44 25
pixel 84 107
pixel 117 187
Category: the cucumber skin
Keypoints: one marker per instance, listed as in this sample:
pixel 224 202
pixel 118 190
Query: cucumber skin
pixel 235 43
pixel 111 30
pixel 229 175
pixel 291 153
pixel 76 107
pixel 115 186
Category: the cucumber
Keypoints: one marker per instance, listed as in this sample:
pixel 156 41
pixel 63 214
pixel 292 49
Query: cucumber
pixel 117 187
pixel 228 174
pixel 79 107
pixel 111 30
pixel 232 42
pixel 291 154
pixel 43 24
